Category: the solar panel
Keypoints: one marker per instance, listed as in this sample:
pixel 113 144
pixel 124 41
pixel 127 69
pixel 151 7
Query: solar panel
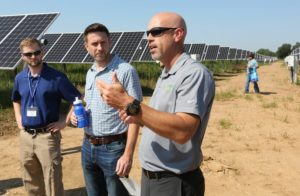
pixel 197 49
pixel 7 24
pixel 51 40
pixel 212 52
pixel 223 53
pixel 187 48
pixel 243 54
pixel 238 54
pixel 128 44
pixel 29 26
pixel 61 47
pixel 146 56
pixel 232 54
pixel 140 50
pixel 247 53
pixel 77 52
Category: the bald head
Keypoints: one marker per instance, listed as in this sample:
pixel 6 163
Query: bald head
pixel 168 19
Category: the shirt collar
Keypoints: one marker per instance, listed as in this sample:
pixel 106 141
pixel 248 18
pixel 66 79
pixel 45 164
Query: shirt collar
pixel 44 69
pixel 109 66
pixel 178 64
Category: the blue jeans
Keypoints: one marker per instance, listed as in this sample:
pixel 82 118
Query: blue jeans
pixel 99 165
pixel 247 83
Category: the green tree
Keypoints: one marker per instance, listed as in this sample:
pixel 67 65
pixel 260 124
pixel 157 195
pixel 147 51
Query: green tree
pixel 266 52
pixel 284 50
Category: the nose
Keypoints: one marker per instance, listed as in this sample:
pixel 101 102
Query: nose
pixel 99 47
pixel 149 38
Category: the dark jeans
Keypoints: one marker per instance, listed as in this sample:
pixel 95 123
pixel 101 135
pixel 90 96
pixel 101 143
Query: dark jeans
pixel 247 83
pixel 99 165
pixel 187 184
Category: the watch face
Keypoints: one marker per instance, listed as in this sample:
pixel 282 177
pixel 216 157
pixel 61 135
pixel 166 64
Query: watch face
pixel 133 108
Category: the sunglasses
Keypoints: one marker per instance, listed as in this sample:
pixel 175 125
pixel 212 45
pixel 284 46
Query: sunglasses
pixel 157 31
pixel 30 54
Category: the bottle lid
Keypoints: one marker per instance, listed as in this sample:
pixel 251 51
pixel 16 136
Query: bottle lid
pixel 77 101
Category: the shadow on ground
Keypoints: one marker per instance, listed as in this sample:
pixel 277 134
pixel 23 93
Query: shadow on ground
pixel 71 150
pixel 9 184
pixel 76 192
pixel 267 93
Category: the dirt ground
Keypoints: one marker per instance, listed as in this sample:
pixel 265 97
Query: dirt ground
pixel 251 145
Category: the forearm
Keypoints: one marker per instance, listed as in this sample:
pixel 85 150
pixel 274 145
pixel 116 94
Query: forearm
pixel 132 134
pixel 179 127
pixel 68 117
pixel 18 116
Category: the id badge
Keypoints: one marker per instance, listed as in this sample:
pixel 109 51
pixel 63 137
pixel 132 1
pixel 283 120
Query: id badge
pixel 32 112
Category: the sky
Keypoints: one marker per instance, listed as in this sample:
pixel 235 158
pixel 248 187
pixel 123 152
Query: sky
pixel 248 25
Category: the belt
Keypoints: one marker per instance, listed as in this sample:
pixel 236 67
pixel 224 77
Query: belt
pixel 34 131
pixel 101 140
pixel 159 174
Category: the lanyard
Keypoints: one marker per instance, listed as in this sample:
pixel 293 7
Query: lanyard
pixel 32 91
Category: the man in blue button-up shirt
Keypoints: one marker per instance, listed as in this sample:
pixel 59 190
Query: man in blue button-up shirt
pixel 37 94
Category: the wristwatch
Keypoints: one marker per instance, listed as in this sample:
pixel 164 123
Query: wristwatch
pixel 133 108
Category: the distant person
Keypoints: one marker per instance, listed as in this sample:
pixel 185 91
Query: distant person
pixel 292 65
pixel 265 60
pixel 252 75
pixel 37 94
pixel 176 120
pixel 108 145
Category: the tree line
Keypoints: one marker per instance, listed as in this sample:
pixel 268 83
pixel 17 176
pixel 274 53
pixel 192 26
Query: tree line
pixel 282 51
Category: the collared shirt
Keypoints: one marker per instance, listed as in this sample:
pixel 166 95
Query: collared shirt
pixel 51 86
pixel 188 87
pixel 251 66
pixel 104 119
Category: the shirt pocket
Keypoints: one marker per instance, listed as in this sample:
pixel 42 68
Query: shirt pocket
pixel 88 92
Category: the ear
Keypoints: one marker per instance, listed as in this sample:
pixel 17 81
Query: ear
pixel 85 45
pixel 179 34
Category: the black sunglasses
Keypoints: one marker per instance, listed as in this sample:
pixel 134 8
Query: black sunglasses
pixel 157 31
pixel 30 54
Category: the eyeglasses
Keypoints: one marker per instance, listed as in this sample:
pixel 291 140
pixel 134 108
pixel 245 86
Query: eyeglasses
pixel 30 54
pixel 157 31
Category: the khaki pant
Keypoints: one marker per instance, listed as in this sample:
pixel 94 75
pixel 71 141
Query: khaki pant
pixel 41 164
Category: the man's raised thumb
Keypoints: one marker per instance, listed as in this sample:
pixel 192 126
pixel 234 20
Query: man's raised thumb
pixel 115 78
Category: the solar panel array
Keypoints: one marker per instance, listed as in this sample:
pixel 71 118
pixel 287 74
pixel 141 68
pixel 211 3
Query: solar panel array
pixel 187 48
pixel 139 51
pixel 69 47
pixel 238 54
pixel 16 28
pixel 223 53
pixel 296 52
pixel 212 52
pixel 232 53
pixel 146 55
pixel 197 49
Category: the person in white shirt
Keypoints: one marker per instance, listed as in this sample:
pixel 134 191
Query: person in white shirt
pixel 292 65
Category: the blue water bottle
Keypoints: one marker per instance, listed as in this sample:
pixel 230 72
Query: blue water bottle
pixel 82 118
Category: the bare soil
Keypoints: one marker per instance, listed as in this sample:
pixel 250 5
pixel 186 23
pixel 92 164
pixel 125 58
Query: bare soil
pixel 251 145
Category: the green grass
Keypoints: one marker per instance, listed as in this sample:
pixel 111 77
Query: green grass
pixel 225 95
pixel 248 98
pixel 225 124
pixel 270 105
pixel 147 71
